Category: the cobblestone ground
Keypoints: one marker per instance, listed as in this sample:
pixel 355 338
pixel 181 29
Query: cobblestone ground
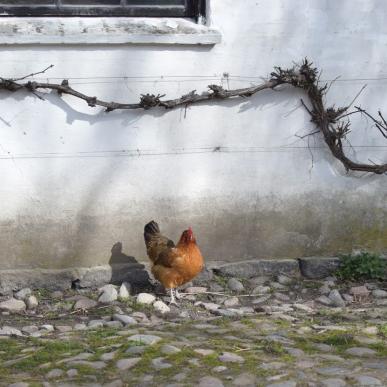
pixel 232 335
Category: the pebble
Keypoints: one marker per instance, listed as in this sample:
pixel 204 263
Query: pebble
pixel 57 294
pixel 219 369
pixel 113 324
pixel 229 357
pixel 13 305
pixel 260 289
pixel 48 327
pixel 125 290
pixel 23 293
pixel 64 328
pixel 10 331
pixel 303 307
pixel 210 381
pixel 54 373
pixel 196 289
pixel 284 280
pixel 379 293
pixel 230 302
pixel 336 298
pixel 324 300
pixel 80 327
pixel 28 329
pixel 324 290
pixel 161 307
pixel 145 298
pixel 94 324
pixel 235 285
pixel 32 302
pixel 370 330
pixel 125 364
pixel 124 319
pixel 85 303
pixel 109 294
pixel 281 297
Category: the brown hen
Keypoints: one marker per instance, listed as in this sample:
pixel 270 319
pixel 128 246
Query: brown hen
pixel 172 265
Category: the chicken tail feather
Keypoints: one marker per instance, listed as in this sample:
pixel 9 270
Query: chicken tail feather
pixel 150 229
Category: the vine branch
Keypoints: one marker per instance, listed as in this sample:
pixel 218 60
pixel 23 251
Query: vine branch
pixel 328 120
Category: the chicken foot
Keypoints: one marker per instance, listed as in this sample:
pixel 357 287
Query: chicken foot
pixel 173 299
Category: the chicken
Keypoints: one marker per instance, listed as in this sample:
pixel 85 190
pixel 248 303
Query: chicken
pixel 172 265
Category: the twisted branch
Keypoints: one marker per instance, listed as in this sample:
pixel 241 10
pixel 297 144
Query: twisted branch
pixel 328 120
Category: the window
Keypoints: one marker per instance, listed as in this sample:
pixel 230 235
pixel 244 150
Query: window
pixel 144 8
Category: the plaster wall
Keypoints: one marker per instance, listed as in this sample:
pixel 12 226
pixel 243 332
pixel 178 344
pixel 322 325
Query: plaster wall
pixel 75 180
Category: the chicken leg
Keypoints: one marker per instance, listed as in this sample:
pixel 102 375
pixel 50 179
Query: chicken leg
pixel 173 300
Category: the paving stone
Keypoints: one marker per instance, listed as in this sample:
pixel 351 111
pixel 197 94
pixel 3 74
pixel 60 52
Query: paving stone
pixel 136 350
pixel 108 356
pixel 361 352
pixel 210 381
pixel 19 384
pixel 168 349
pixel 229 357
pixel 145 339
pixel 364 380
pixel 324 300
pixel 159 363
pixel 332 371
pixel 245 379
pixel 296 352
pixel 80 327
pixel 125 364
pixel 289 383
pixel 72 373
pixel 204 352
pixel 333 382
pixel 97 365
pixel 81 356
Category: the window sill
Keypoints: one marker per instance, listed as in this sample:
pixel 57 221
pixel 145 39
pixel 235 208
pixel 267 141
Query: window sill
pixel 112 30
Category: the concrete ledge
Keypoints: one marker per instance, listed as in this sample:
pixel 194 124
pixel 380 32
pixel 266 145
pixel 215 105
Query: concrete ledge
pixel 255 268
pixel 13 280
pixel 318 267
pixel 112 30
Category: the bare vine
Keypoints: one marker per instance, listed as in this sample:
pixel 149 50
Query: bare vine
pixel 328 120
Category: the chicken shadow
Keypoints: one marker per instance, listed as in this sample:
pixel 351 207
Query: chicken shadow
pixel 126 268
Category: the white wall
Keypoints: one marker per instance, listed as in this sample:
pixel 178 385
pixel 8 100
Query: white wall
pixel 75 180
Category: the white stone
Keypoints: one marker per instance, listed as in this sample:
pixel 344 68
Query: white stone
pixel 145 298
pixel 336 298
pixel 161 307
pixel 109 294
pixel 230 302
pixel 10 331
pixel 195 289
pixel 32 302
pixel 124 291
pixel 13 305
pixel 23 293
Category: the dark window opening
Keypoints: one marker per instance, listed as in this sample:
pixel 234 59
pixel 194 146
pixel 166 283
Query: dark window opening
pixel 130 8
